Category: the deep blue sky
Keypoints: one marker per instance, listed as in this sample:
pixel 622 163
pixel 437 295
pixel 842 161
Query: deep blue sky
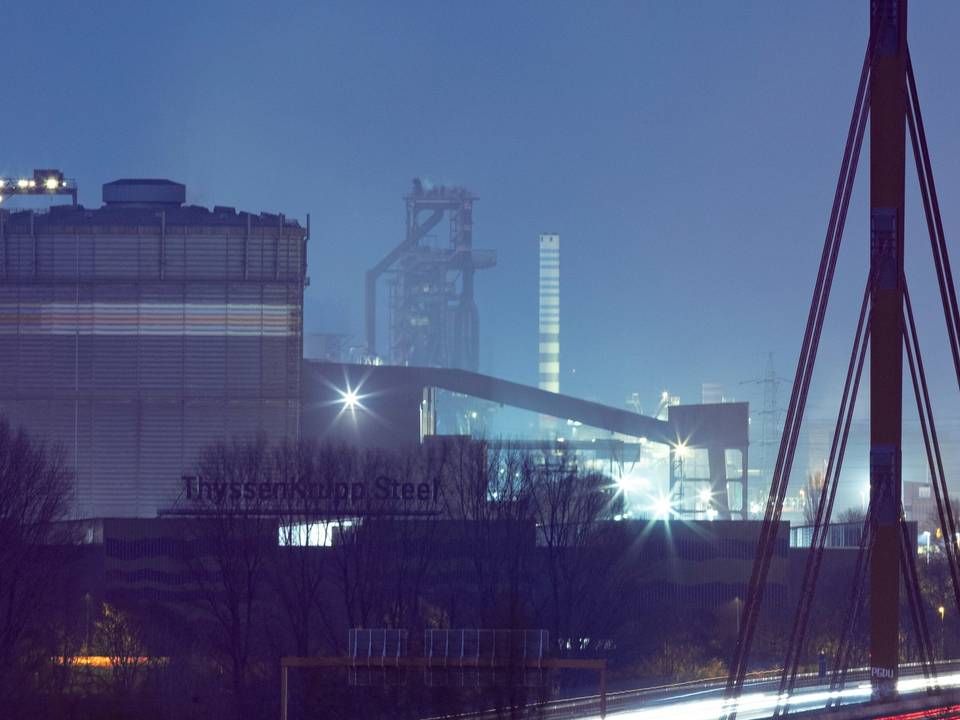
pixel 685 151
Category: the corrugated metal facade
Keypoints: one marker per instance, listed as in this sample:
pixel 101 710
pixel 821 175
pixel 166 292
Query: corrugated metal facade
pixel 134 337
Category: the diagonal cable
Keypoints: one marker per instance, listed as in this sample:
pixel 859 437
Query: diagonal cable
pixel 826 500
pixel 858 587
pixel 931 441
pixel 908 567
pixel 941 259
pixel 805 364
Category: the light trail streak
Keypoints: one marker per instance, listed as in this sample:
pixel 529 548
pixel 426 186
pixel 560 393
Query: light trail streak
pixel 755 705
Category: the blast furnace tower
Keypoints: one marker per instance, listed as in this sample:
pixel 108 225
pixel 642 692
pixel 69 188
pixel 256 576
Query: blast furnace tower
pixel 432 312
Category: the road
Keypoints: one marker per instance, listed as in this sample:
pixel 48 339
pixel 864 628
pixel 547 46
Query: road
pixel 759 699
pixel 703 699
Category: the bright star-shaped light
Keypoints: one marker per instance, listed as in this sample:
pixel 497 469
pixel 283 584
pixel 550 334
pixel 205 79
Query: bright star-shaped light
pixel 662 507
pixel 350 399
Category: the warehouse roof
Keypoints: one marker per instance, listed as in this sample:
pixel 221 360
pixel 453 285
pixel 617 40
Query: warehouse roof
pixel 67 216
pixel 140 202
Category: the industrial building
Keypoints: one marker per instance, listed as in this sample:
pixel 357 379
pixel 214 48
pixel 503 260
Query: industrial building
pixel 433 319
pixel 394 407
pixel 685 567
pixel 136 333
pixel 140 332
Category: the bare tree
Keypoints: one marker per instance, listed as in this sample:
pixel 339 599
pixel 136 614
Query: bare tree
pixel 810 496
pixel 382 550
pixel 572 510
pixel 851 515
pixel 119 637
pixel 233 545
pixel 490 494
pixel 415 539
pixel 299 574
pixel 35 487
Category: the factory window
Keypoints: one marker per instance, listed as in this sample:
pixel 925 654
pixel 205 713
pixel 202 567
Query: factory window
pixel 735 494
pixel 923 492
pixel 318 534
pixel 733 459
pixel 695 463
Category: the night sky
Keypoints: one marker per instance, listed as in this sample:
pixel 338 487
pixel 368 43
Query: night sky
pixel 686 152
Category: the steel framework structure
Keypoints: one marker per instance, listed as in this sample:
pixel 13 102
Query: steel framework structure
pixel 432 309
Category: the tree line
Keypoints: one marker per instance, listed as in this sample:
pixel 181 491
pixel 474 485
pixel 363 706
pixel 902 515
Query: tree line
pixel 516 540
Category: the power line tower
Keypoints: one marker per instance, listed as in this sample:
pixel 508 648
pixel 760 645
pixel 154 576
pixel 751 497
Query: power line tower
pixel 771 416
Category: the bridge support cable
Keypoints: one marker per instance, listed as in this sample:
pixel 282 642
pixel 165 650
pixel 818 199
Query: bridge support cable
pixel 855 607
pixel 859 586
pixel 941 260
pixel 796 643
pixel 908 567
pixel 908 561
pixel 938 241
pixel 805 364
pixel 858 594
pixel 931 443
pixel 934 459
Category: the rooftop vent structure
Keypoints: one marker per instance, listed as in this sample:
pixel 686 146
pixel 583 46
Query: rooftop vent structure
pixel 144 193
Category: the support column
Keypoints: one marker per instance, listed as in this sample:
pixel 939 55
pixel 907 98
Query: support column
pixel 887 148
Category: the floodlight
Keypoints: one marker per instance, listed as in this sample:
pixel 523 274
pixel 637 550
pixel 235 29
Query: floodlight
pixel 629 482
pixel 662 507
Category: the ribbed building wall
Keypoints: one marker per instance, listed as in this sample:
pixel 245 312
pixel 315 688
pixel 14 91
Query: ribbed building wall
pixel 132 338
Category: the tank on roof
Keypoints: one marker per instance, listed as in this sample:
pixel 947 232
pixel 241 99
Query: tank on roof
pixel 144 192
